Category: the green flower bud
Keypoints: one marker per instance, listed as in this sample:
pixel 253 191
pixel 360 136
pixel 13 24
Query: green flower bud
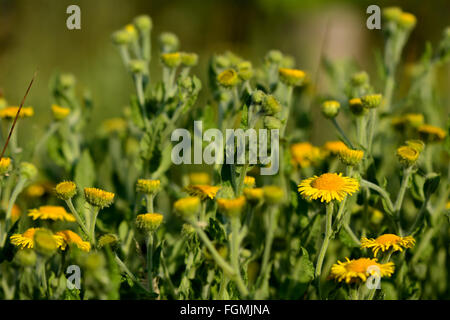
pixel 67 80
pixel 28 170
pixel 330 109
pixel 360 78
pixel 25 258
pixel 258 97
pixel 45 242
pixel 392 13
pixel 169 42
pixel 121 37
pixel 171 60
pixel 137 66
pixel 371 101
pixel 189 59
pixel 274 56
pixel 271 105
pixel 245 70
pixel 109 239
pixel 187 207
pixel 272 123
pixel 143 23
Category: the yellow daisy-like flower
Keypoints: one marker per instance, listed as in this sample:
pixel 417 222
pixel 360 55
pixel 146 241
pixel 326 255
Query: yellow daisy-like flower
pixel 5 164
pixel 431 133
pixel 231 207
pixel 334 147
pixel 98 197
pixel 10 112
pixel 202 191
pixel 407 155
pixel 70 238
pixel 36 190
pixel 26 240
pixel 60 113
pixel 305 154
pixel 51 213
pixel 328 187
pixel 148 186
pixel 291 77
pixel 387 241
pixel 360 269
pixel 199 178
pixel 254 194
pixel 149 221
pixel 228 78
pixel 249 181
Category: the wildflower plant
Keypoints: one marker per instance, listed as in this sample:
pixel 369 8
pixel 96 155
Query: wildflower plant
pixel 370 203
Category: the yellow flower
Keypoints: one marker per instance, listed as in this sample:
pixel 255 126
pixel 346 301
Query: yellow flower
pixel 10 112
pixel 65 190
pixel 431 133
pixel 114 125
pixel 98 197
pixel 60 113
pixel 334 147
pixel 70 238
pixel 228 78
pixel 149 221
pixel 305 154
pixel 249 181
pixel 26 240
pixel 360 269
pixel 52 213
pixel 328 187
pixel 387 241
pixel 407 20
pixel 416 144
pixel 254 194
pixel 414 119
pixel 202 191
pixel 148 186
pixel 188 206
pixel 199 178
pixel 35 190
pixel 407 155
pixel 231 207
pixel 291 77
pixel 5 164
pixel 350 157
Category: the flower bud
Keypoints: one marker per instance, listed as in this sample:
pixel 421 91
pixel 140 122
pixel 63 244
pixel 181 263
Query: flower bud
pixel 45 242
pixel 28 170
pixel 392 13
pixel 274 56
pixel 98 197
pixel 189 59
pixel 245 70
pixel 249 181
pixel 350 157
pixel 67 81
pixel 148 186
pixel 272 123
pixel 228 78
pixel 291 77
pixel 143 23
pixel 407 21
pixel 25 257
pixel 416 144
pixel 271 105
pixel 169 42
pixel 137 66
pixel 258 97
pixel 273 194
pixel 330 109
pixel 431 134
pixel 149 221
pixel 360 78
pixel 109 239
pixel 121 37
pixel 171 60
pixel 199 178
pixel 231 207
pixel 60 113
pixel 65 190
pixel 254 194
pixel 407 155
pixel 371 101
pixel 187 207
pixel 356 107
pixel 5 165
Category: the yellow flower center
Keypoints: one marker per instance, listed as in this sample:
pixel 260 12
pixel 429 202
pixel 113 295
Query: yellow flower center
pixel 388 238
pixel 328 181
pixel 360 265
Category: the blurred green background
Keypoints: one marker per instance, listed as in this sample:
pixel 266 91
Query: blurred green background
pixel 33 36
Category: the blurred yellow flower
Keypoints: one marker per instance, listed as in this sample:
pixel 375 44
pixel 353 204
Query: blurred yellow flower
pixel 70 238
pixel 431 133
pixel 202 191
pixel 199 178
pixel 149 221
pixel 26 240
pixel 231 207
pixel 305 154
pixel 360 269
pixel 51 213
pixel 10 112
pixel 60 113
pixel 387 241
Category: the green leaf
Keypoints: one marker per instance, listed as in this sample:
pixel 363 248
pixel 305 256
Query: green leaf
pixel 85 171
pixel 216 230
pixel 431 184
pixel 347 240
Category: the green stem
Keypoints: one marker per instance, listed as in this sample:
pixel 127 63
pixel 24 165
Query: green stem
pixel 235 244
pixel 372 120
pixel 381 191
pixel 16 191
pixel 323 249
pixel 123 266
pixel 150 261
pixel 149 202
pixel 270 231
pixel 401 193
pixel 78 218
pixel 342 133
pixel 93 221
